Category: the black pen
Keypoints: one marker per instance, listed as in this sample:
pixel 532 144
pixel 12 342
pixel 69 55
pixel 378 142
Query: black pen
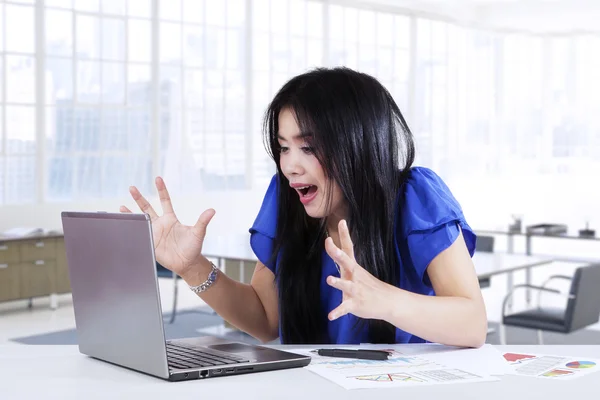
pixel 358 354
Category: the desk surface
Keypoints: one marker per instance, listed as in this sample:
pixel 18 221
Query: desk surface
pixel 486 264
pixel 61 372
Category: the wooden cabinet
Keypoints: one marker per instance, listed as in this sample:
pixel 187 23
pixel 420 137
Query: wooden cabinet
pixel 32 267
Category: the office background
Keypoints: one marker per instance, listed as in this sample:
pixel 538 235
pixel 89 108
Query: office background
pixel 97 95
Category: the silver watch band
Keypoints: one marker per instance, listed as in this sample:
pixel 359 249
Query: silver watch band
pixel 212 277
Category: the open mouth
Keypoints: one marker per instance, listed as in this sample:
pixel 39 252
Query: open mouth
pixel 307 191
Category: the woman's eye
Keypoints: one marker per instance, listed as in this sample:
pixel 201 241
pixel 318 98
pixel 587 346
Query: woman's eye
pixel 308 150
pixel 283 149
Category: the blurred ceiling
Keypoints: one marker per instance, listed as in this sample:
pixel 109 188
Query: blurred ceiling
pixel 537 16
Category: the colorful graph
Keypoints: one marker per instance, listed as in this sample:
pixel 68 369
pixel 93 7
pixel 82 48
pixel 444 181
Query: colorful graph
pixel 557 372
pixel 517 358
pixel 404 362
pixel 581 364
pixel 388 378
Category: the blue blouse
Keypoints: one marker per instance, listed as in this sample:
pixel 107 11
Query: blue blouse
pixel 426 222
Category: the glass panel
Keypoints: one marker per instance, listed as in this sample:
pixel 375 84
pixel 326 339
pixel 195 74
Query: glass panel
pixel 115 7
pixel 260 15
pixel 193 42
pixel 315 19
pixel 170 9
pixel 139 37
pixel 235 101
pixel 139 8
pixel 86 129
pixel 215 47
pixel 235 49
pixel 88 81
pixel 87 5
pixel 20 79
pixel 215 13
pixel 20 130
pixel 59 128
pixel 367 27
pixel 59 3
pixel 315 53
pixel 20 180
pixel 139 88
pixel 402 31
pixel 113 45
pixel 59 33
pixel 193 11
pixel 113 83
pixel 281 57
pixel 214 100
pixel 114 130
pixel 298 20
pixel 170 87
pixel 236 13
pixel 20 29
pixel 88 37
pixel 139 120
pixel 60 178
pixel 384 29
pixel 279 17
pixel 1 45
pixel 88 176
pixel 170 42
pixel 59 80
pixel 261 59
pixel 194 88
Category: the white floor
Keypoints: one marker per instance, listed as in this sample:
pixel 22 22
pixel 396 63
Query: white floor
pixel 17 320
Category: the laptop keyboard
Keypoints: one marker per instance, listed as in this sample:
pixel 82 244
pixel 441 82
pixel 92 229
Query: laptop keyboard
pixel 183 357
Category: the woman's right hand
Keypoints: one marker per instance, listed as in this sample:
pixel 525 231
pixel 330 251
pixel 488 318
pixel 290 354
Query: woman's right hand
pixel 177 246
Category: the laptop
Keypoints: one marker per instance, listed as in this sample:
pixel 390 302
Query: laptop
pixel 117 306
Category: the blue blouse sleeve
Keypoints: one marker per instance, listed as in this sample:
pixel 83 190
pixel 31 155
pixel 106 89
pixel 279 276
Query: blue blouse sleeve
pixel 430 219
pixel 262 232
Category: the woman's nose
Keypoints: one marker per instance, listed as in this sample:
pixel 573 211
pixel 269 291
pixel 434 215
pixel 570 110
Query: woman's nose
pixel 291 163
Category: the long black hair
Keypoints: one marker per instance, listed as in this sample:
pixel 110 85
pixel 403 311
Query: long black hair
pixel 365 146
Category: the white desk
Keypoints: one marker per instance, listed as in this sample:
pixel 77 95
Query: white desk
pixel 60 372
pixel 237 248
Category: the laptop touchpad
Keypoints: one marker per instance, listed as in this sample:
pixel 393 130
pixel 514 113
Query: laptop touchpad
pixel 234 348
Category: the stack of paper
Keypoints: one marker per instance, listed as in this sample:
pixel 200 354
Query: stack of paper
pixel 433 364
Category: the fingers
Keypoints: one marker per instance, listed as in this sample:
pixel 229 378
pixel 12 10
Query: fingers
pixel 341 310
pixel 142 203
pixel 202 223
pixel 163 195
pixel 340 257
pixel 124 209
pixel 344 285
pixel 345 239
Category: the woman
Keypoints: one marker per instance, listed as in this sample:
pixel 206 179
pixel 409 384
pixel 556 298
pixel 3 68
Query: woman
pixel 354 244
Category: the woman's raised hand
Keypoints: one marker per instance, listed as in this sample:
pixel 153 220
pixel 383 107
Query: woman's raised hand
pixel 177 246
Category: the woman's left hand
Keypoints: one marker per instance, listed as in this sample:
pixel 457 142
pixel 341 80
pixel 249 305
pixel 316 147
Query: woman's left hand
pixel 363 294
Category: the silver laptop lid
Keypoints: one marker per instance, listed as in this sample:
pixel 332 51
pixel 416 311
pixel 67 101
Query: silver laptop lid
pixel 115 289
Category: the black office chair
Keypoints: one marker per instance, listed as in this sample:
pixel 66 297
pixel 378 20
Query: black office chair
pixel 583 306
pixel 485 243
pixel 162 272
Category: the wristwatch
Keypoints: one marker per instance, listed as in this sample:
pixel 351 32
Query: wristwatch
pixel 212 277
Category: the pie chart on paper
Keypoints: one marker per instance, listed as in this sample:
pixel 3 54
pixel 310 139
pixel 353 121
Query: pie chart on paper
pixel 581 364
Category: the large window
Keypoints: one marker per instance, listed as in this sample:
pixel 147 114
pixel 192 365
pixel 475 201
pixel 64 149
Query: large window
pixel 96 95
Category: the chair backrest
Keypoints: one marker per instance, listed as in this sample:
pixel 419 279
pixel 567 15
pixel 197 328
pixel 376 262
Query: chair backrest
pixel 485 244
pixel 584 309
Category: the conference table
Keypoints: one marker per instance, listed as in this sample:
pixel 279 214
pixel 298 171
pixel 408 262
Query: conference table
pixel 61 372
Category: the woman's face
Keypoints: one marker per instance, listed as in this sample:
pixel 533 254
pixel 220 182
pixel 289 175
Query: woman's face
pixel 304 172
